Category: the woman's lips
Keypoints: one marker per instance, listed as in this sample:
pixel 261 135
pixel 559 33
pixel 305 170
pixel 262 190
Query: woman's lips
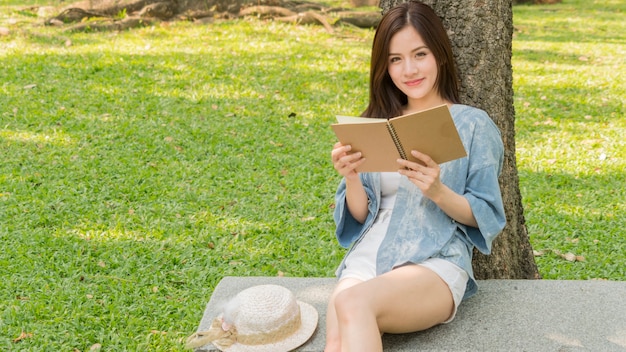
pixel 413 82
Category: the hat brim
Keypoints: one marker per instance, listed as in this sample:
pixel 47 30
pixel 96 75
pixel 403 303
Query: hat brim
pixel 309 317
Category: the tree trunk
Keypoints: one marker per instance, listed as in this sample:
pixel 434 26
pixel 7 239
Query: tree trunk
pixel 481 35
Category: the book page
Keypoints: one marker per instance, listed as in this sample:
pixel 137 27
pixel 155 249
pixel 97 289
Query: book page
pixel 354 119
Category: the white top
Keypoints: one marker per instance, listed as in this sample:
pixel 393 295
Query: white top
pixel 389 182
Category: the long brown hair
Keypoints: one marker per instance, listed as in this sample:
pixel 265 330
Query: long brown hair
pixel 386 100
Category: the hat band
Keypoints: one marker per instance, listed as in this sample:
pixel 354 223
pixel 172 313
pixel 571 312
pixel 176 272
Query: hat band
pixel 289 328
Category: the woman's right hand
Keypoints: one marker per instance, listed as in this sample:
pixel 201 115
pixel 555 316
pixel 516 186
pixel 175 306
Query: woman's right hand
pixel 344 162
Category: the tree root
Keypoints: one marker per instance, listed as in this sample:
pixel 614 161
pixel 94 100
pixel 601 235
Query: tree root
pixel 104 15
pixel 307 18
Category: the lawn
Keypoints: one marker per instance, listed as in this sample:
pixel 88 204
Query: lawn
pixel 570 128
pixel 141 167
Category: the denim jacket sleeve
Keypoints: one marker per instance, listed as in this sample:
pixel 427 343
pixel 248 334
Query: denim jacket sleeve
pixel 485 158
pixel 348 229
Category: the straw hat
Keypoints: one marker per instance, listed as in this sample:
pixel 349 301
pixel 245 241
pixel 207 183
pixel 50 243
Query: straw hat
pixel 264 318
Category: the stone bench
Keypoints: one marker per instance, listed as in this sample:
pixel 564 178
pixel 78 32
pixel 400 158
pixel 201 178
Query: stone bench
pixel 505 315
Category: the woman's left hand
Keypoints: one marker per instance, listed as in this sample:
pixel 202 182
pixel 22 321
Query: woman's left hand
pixel 425 176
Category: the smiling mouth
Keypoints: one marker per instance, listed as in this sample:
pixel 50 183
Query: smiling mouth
pixel 413 82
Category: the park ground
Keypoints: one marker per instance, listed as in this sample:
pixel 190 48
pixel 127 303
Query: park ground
pixel 140 167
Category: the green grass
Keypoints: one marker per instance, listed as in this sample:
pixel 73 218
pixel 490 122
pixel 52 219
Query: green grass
pixel 141 167
pixel 569 100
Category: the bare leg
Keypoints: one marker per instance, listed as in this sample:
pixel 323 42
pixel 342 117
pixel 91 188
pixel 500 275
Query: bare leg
pixel 333 340
pixel 406 299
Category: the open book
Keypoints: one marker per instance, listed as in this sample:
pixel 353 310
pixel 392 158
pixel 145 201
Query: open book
pixel 382 141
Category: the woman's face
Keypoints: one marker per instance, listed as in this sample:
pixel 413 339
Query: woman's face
pixel 413 69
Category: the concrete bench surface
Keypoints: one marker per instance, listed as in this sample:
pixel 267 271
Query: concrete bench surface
pixel 505 315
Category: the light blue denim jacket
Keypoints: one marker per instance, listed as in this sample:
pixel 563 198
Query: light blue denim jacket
pixel 419 229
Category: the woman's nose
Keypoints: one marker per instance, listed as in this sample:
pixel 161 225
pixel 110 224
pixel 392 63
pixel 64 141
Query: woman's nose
pixel 410 67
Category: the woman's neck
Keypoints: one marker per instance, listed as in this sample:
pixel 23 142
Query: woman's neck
pixel 415 106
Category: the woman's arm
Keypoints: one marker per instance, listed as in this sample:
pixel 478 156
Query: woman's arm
pixel 356 199
pixel 426 177
pixel 455 205
pixel 346 164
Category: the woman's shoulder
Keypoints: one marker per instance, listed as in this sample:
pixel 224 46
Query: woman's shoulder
pixel 468 111
pixel 470 115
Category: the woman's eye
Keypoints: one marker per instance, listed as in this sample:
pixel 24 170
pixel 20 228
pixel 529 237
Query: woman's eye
pixel 394 59
pixel 420 54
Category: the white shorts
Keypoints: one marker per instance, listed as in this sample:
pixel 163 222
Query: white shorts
pixel 361 262
pixel 453 275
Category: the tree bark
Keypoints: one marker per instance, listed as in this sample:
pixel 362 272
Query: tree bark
pixel 481 34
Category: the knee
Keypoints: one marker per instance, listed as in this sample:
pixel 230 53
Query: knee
pixel 350 305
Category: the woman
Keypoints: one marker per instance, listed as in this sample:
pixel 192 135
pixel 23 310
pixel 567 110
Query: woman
pixel 413 231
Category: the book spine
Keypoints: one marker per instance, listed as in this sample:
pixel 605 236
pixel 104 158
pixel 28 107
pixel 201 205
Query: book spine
pixel 396 141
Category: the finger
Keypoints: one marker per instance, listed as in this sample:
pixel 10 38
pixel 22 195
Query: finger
pixel 339 150
pixel 348 167
pixel 350 158
pixel 427 160
pixel 410 173
pixel 412 166
pixel 343 160
pixel 339 146
pixel 354 165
